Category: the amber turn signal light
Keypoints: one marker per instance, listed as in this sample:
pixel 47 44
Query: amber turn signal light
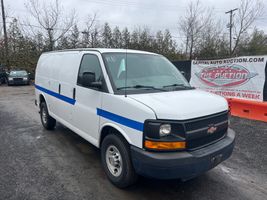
pixel 164 145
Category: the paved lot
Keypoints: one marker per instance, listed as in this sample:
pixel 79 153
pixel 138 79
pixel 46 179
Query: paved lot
pixel 38 164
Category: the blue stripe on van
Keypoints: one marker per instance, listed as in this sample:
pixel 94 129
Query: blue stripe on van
pixel 54 94
pixel 121 120
pixel 108 115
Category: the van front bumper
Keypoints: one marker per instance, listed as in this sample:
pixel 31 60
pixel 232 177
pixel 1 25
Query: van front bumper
pixel 185 164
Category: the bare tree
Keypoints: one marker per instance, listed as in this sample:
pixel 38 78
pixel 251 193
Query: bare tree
pixel 1 29
pixel 248 12
pixel 192 24
pixel 51 19
pixel 211 40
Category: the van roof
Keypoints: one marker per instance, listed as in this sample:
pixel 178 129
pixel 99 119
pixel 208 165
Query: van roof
pixel 104 50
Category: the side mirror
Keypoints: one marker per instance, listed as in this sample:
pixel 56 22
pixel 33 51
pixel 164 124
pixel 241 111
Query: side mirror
pixel 88 80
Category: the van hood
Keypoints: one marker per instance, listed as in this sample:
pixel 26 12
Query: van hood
pixel 182 105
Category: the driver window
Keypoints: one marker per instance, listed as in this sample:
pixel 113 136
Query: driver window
pixel 90 63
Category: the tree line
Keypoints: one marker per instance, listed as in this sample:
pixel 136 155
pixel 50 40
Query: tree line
pixel 202 36
pixel 24 51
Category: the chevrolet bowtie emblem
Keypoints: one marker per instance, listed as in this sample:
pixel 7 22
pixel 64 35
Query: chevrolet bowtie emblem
pixel 211 129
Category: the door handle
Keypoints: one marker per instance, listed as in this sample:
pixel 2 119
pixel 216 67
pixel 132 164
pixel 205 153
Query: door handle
pixel 74 93
pixel 59 88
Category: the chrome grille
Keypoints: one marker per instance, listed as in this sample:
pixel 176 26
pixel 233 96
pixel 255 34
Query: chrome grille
pixel 196 130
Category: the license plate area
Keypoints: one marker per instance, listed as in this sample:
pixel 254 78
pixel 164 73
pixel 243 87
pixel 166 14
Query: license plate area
pixel 215 160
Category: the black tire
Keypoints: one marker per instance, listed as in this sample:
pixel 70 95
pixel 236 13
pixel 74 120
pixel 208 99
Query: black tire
pixel 48 122
pixel 127 176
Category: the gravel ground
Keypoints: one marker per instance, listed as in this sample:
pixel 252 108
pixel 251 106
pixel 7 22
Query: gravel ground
pixel 38 164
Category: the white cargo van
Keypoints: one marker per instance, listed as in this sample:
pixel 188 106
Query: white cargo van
pixel 138 109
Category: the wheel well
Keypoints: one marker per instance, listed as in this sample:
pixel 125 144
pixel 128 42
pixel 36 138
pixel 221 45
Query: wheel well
pixel 110 130
pixel 41 99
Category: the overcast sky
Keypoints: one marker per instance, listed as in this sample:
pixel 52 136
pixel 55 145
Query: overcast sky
pixel 155 14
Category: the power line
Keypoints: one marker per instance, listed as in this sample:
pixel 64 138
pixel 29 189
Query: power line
pixel 126 25
pixel 128 4
pixel 164 7
pixel 141 6
pixel 113 23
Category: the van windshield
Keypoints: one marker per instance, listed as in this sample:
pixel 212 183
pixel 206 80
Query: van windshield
pixel 144 72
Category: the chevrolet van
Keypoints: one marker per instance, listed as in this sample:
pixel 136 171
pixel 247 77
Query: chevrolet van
pixel 138 109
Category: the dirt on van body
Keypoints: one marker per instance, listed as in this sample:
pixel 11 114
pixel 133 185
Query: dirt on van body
pixel 40 164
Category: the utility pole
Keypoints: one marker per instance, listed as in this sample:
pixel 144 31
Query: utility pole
pixel 5 34
pixel 230 27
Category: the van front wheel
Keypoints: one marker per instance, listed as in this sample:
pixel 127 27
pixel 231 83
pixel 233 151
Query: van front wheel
pixel 48 122
pixel 116 161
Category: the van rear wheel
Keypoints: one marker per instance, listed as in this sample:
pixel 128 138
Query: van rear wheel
pixel 116 160
pixel 48 122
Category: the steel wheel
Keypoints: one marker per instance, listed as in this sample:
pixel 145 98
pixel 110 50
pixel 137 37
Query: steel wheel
pixel 44 116
pixel 114 161
pixel 48 122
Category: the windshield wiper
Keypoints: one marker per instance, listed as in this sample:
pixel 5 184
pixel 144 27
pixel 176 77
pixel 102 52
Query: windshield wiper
pixel 179 85
pixel 141 87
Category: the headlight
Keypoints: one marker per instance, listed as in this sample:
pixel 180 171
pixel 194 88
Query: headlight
pixel 164 135
pixel 25 78
pixel 10 79
pixel 165 130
